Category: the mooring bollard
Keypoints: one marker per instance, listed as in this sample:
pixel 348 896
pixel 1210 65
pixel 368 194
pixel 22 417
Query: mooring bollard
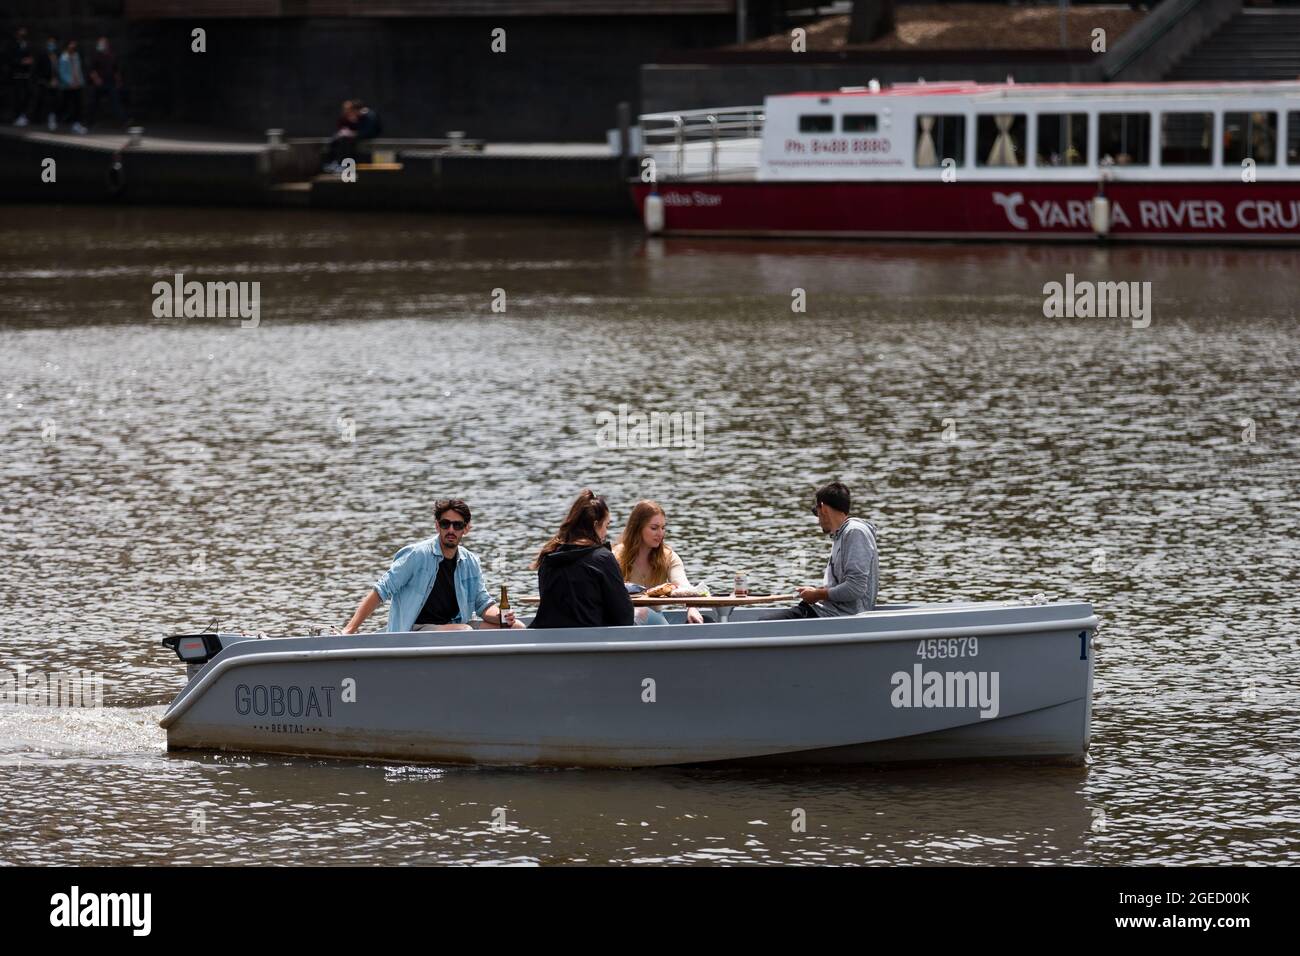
pixel 135 136
pixel 275 137
pixel 457 137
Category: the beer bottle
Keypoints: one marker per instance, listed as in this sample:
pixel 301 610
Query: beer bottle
pixel 507 616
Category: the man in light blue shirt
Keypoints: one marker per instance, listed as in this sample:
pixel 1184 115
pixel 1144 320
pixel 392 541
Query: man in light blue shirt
pixel 435 584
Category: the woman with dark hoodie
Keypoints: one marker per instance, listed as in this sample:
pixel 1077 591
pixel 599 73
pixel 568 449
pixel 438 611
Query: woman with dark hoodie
pixel 579 580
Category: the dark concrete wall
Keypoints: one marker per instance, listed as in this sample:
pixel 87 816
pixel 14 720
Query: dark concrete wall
pixel 560 79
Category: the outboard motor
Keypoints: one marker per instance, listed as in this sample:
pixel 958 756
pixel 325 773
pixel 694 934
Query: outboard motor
pixel 197 649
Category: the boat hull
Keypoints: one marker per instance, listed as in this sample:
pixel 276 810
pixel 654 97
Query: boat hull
pixel 1142 211
pixel 810 692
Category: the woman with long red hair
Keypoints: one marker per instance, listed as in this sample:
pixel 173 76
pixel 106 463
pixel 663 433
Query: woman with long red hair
pixel 645 559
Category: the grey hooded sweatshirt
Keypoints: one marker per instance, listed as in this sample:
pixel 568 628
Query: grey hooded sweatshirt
pixel 853 572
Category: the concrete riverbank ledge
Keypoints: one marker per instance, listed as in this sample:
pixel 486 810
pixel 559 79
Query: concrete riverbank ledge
pixel 205 168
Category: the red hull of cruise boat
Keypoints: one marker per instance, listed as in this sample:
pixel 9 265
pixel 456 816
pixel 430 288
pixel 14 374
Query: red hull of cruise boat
pixel 1204 211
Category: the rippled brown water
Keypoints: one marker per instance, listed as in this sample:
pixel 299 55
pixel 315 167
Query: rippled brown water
pixel 160 474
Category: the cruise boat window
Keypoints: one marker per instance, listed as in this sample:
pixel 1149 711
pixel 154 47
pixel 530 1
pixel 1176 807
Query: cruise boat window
pixel 858 123
pixel 817 123
pixel 1124 138
pixel 1062 139
pixel 1185 139
pixel 1000 139
pixel 939 138
pixel 1250 136
pixel 1293 138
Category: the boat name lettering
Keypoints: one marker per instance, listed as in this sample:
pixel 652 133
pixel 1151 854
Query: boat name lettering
pixel 1193 213
pixel 1071 214
pixel 1268 213
pixel 694 198
pixel 948 647
pixel 957 689
pixel 278 700
pixel 1152 214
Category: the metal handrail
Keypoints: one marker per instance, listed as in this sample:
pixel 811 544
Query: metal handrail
pixel 677 132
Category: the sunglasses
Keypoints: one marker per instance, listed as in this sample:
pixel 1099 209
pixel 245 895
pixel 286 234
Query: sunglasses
pixel 445 523
pixel 817 507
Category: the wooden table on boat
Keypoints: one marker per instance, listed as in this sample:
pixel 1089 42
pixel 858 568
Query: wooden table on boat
pixel 723 603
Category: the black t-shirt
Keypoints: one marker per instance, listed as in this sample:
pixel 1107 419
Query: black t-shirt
pixel 441 606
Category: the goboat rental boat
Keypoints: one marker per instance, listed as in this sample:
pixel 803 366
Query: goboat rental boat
pixel 924 682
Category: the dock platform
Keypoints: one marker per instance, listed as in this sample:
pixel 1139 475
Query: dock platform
pixel 204 167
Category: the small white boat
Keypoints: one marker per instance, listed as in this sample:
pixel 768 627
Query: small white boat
pixel 903 683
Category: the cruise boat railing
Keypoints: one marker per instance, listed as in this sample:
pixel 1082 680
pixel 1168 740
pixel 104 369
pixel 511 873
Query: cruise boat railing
pixel 703 144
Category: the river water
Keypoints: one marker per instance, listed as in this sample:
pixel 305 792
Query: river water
pixel 161 474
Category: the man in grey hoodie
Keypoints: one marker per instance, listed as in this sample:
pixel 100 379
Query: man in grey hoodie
pixel 853 572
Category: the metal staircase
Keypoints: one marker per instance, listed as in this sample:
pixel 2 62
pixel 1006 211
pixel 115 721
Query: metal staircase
pixel 1256 44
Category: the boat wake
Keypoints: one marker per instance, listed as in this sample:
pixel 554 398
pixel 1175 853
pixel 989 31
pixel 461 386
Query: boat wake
pixel 30 734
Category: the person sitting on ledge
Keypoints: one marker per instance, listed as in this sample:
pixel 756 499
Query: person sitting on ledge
pixel 435 584
pixel 368 124
pixel 853 572
pixel 344 143
pixel 357 124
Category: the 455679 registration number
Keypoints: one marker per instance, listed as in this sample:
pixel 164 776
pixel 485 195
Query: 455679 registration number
pixel 939 648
